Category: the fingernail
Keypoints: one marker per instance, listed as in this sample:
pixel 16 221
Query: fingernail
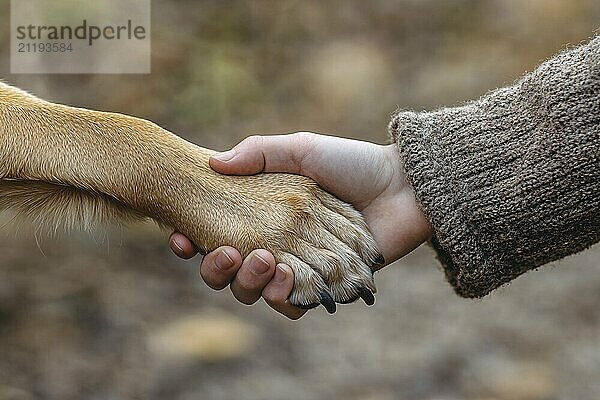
pixel 280 274
pixel 223 261
pixel 258 265
pixel 177 246
pixel 225 156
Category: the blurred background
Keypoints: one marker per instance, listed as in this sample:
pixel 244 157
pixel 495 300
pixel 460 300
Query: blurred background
pixel 115 315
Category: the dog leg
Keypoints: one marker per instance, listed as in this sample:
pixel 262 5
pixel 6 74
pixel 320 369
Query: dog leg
pixel 88 166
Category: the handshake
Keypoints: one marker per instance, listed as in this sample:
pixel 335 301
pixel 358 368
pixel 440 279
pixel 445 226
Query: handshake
pixel 489 174
pixel 72 167
pixel 338 263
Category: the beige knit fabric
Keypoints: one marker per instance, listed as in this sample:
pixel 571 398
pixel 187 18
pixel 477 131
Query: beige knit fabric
pixel 511 181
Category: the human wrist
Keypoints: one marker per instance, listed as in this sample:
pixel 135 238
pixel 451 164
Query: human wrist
pixel 406 204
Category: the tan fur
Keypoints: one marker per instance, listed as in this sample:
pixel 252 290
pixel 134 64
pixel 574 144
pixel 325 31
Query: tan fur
pixel 69 167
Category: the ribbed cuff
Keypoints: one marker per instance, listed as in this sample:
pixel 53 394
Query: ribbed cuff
pixel 510 182
pixel 427 160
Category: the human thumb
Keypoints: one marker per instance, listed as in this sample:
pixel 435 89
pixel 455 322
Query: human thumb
pixel 257 154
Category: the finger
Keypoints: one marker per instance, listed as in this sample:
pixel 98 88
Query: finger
pixel 276 293
pixel 255 273
pixel 182 246
pixel 219 267
pixel 275 153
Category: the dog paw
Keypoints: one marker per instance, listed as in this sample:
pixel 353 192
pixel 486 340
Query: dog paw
pixel 326 242
pixel 331 253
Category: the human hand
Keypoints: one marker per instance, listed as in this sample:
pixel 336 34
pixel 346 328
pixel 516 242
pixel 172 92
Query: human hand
pixel 366 175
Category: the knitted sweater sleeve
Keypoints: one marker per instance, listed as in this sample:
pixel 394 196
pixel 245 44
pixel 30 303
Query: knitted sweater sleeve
pixel 511 181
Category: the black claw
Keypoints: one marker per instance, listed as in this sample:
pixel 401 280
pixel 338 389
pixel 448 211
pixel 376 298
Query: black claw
pixel 307 306
pixel 380 260
pixel 328 302
pixel 367 296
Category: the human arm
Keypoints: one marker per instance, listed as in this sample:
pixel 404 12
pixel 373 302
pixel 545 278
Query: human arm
pixel 511 181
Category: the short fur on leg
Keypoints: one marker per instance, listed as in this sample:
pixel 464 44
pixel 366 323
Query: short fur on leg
pixel 66 167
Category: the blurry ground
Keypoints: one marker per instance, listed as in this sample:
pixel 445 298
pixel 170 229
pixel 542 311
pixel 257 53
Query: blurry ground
pixel 122 318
